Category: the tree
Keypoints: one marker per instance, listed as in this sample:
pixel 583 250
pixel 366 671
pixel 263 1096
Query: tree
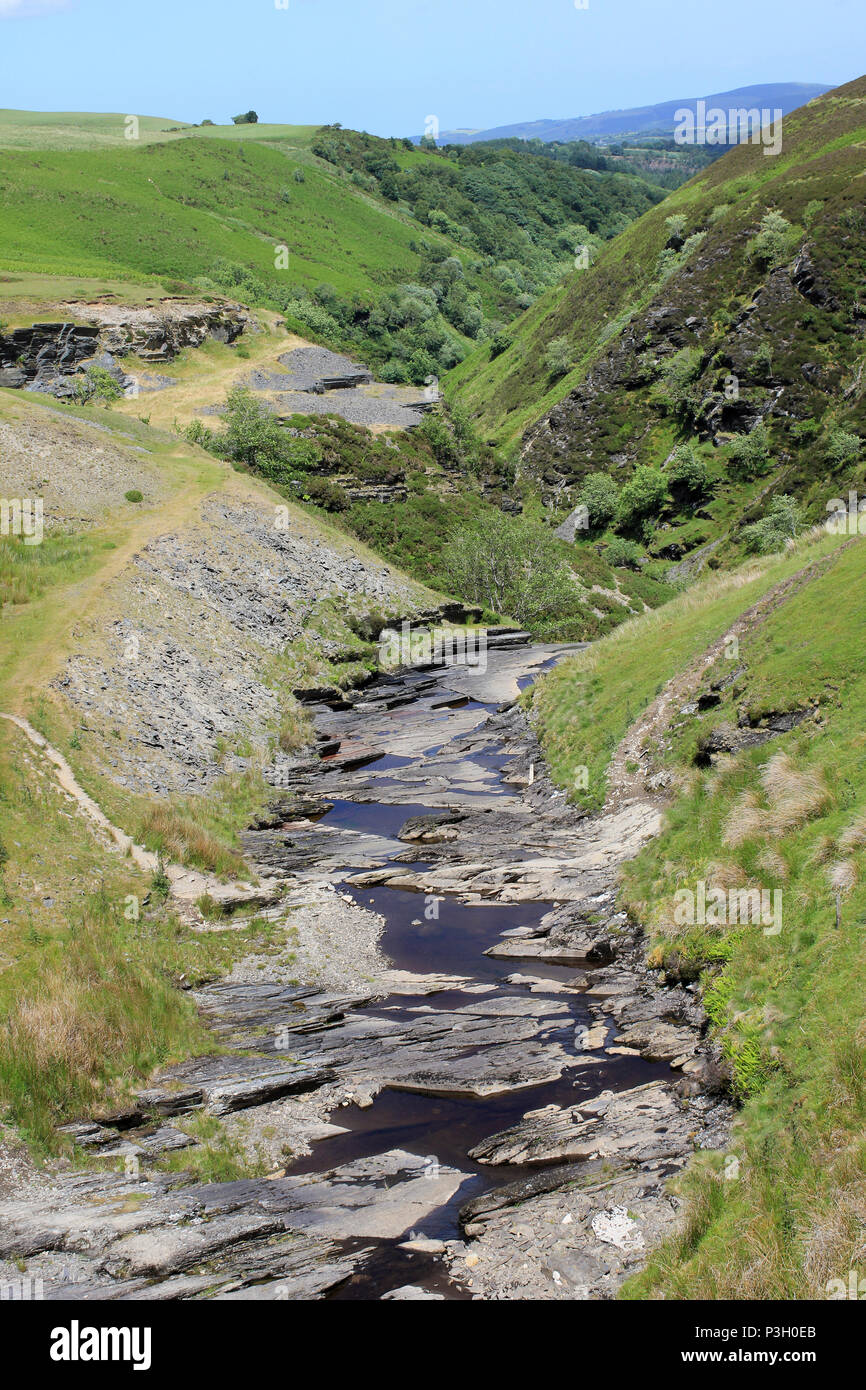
pixel 749 454
pixel 624 554
pixel 774 241
pixel 600 496
pixel 679 389
pixel 248 118
pixel 511 566
pixel 643 496
pixel 500 342
pixel 97 384
pixel 675 227
pixel 688 475
pixel 252 432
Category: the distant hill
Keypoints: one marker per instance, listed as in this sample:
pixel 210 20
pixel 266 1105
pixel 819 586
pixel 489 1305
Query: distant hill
pixel 607 127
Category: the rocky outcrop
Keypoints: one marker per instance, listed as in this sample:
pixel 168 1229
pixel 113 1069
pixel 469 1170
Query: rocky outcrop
pixel 46 356
pixel 42 356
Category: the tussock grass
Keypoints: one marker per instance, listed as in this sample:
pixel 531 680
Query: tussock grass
pixel 177 835
pixel 296 728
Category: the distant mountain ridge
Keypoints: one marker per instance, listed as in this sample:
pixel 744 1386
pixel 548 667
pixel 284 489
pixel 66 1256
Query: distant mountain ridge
pixel 609 126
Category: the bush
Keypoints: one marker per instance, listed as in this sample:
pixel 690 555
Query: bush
pixel 679 392
pixel 675 227
pixel 643 497
pixel 782 523
pixel 323 493
pixel 623 553
pixel 251 430
pixel 749 454
pixel 600 495
pixel 97 384
pixel 134 495
pixel 500 342
pixel 688 475
pixel 774 241
pixel 843 448
pixel 558 358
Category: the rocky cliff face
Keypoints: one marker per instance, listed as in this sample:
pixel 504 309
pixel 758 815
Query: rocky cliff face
pixel 47 356
pixel 778 355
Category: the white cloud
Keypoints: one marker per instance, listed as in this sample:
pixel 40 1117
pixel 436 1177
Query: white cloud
pixel 24 9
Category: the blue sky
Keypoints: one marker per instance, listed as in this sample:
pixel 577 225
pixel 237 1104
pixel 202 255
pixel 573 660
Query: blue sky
pixel 385 65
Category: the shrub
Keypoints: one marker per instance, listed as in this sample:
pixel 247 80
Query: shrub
pixel 134 495
pixel 774 241
pixel 781 524
pixel 510 566
pixel 558 358
pixel 251 430
pixel 688 475
pixel 762 361
pixel 600 495
pixel 97 384
pixel 843 448
pixel 623 553
pixel 324 493
pixel 643 496
pixel 749 454
pixel 675 227
pixel 679 393
pixel 500 342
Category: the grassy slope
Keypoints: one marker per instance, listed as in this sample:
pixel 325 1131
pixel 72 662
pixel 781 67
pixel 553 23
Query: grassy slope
pixel 822 159
pixel 87 993
pixel 98 130
pixel 189 203
pixel 787 816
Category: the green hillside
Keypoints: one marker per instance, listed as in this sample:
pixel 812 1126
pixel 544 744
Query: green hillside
pixel 785 816
pixel 69 130
pixel 754 271
pixel 177 209
pixel 389 253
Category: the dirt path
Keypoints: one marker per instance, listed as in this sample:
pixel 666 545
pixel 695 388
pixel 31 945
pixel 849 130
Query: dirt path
pixel 630 766
pixel 187 885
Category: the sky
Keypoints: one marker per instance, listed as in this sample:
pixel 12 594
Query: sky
pixel 387 65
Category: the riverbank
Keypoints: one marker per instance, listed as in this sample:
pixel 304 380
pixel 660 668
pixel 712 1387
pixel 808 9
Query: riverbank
pixel 462 1081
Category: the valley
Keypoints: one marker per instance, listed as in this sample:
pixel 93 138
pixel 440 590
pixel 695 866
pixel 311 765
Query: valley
pixel 336 965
